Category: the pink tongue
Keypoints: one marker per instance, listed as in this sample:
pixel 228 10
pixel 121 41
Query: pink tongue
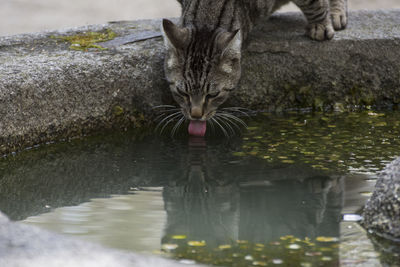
pixel 197 128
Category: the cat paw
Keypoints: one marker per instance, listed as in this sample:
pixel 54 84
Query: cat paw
pixel 321 31
pixel 339 19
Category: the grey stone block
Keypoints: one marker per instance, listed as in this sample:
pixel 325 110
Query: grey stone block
pixel 49 92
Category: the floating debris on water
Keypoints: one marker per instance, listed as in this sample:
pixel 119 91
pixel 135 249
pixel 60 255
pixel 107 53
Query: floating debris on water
pixel 294 246
pixel 260 263
pixel 277 261
pixel 197 243
pixel 327 239
pixel 178 237
pixel 332 142
pixel 224 247
pixel 167 247
pixel 288 251
pixel 248 258
pixel 366 194
pixel 351 218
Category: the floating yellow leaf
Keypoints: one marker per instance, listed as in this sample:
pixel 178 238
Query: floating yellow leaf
pixel 286 237
pixel 259 263
pixel 252 128
pixel 289 161
pixel 326 239
pixel 275 243
pixel 367 194
pixel 224 247
pixel 179 237
pixel 380 124
pixel 197 243
pixel 376 114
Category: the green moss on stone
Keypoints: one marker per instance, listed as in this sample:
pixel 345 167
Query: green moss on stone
pixel 118 110
pixel 84 41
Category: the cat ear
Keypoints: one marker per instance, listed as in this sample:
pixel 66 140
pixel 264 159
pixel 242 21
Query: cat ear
pixel 230 43
pixel 174 36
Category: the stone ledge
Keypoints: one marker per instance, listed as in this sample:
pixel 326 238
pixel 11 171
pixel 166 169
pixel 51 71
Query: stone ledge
pixel 28 246
pixel 50 92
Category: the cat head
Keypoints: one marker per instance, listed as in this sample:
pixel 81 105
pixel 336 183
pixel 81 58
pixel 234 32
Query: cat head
pixel 202 67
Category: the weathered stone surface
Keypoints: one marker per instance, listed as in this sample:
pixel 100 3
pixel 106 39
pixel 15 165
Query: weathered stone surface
pixel 382 211
pixel 49 92
pixel 27 246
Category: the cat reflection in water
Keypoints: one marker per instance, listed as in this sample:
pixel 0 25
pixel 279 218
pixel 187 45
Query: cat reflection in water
pixel 220 204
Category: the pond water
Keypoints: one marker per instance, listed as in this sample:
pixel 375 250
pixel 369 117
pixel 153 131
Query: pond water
pixel 286 192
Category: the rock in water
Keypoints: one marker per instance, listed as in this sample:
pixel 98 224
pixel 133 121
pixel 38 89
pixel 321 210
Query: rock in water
pixel 382 211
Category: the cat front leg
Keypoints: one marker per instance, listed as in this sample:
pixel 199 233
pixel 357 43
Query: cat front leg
pixel 339 14
pixel 318 16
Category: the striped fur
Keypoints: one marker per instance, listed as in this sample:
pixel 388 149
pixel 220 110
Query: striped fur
pixel 203 53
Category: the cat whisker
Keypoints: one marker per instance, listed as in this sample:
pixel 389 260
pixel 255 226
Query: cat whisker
pixel 227 125
pixel 238 111
pixel 177 126
pixel 239 108
pixel 212 125
pixel 168 122
pixel 169 110
pixel 233 117
pixel 163 106
pixel 165 112
pixel 229 120
pixel 222 128
pixel 172 116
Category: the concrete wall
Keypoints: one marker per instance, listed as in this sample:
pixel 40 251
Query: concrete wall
pixel 50 92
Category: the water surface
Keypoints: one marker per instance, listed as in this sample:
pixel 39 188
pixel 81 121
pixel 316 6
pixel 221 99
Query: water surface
pixel 275 195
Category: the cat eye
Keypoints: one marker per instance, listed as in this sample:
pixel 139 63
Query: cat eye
pixel 212 95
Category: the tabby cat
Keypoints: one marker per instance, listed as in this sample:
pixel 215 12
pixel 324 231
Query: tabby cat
pixel 202 63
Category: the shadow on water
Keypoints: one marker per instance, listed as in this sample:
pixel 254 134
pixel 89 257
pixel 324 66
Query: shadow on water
pixel 218 201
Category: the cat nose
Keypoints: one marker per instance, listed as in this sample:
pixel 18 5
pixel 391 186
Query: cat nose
pixel 196 112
